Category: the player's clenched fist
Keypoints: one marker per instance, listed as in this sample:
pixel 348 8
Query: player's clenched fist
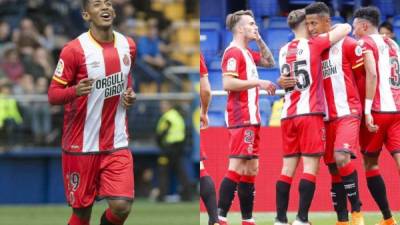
pixel 268 86
pixel 84 86
pixel 128 98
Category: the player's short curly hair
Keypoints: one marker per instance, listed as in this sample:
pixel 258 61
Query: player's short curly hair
pixel 317 8
pixel 370 13
pixel 295 17
pixel 233 18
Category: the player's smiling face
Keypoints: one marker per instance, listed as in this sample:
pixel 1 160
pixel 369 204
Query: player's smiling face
pixel 317 24
pixel 100 13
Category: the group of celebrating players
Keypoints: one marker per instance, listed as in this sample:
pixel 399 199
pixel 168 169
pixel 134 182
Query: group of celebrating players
pixel 341 96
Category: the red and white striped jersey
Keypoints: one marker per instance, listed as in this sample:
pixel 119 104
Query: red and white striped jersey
pixel 340 87
pixel 203 67
pixel 302 59
pixel 242 108
pixel 386 54
pixel 95 122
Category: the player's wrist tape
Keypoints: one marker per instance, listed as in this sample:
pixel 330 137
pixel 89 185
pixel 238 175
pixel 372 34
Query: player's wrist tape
pixel 368 106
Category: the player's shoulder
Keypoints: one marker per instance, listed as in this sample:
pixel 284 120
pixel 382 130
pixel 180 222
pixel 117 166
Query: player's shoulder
pixel 233 52
pixel 72 47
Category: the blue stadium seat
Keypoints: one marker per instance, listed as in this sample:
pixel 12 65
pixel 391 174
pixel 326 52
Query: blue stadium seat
pixel 300 2
pixel 386 6
pixel 210 24
pixel 263 8
pixel 271 74
pixel 396 21
pixel 276 38
pixel 216 119
pixel 218 103
pixel 215 78
pixel 209 42
pixel 265 110
pixel 277 22
pixel 337 19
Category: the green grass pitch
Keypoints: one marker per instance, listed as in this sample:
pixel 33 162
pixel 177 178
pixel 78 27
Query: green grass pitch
pixel 371 218
pixel 143 213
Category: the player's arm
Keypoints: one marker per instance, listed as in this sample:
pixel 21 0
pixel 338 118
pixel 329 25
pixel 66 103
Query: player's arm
pixel 205 99
pixel 233 84
pixel 338 32
pixel 62 88
pixel 266 59
pixel 370 88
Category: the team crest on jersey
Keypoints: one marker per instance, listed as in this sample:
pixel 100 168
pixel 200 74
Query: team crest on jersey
pixel 126 60
pixel 358 50
pixel 59 68
pixel 231 65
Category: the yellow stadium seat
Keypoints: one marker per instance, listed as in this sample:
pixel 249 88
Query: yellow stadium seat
pixel 174 11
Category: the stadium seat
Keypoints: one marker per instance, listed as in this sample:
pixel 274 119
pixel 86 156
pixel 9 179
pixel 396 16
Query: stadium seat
pixel 276 38
pixel 396 21
pixel 218 103
pixel 215 78
pixel 187 36
pixel 262 8
pixel 337 19
pixel 216 119
pixel 277 22
pixel 271 74
pixel 300 2
pixel 209 42
pixel 385 6
pixel 174 11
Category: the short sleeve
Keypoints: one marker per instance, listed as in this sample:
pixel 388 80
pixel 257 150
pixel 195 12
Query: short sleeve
pixel 132 50
pixel 256 56
pixel 353 53
pixel 231 62
pixel 366 45
pixel 203 67
pixel 320 43
pixel 67 66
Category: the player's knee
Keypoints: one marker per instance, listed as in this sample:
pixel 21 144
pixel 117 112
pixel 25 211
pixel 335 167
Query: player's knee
pixel 121 208
pixel 83 213
pixel 342 158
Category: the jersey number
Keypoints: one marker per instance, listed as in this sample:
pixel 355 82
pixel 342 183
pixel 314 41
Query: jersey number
pixel 395 78
pixel 302 75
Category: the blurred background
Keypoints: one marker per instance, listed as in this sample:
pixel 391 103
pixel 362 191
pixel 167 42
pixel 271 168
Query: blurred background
pixel 32 34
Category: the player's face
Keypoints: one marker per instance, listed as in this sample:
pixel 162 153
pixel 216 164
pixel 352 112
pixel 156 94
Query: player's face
pixel 248 27
pixel 359 28
pixel 385 32
pixel 100 13
pixel 317 24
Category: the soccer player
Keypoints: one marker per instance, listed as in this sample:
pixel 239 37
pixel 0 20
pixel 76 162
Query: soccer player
pixel 382 102
pixel 93 82
pixel 207 187
pixel 240 79
pixel 303 132
pixel 342 122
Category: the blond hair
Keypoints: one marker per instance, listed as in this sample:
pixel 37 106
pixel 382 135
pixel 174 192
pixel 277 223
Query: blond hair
pixel 295 17
pixel 233 18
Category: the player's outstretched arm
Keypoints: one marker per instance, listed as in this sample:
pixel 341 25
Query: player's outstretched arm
pixel 338 32
pixel 267 59
pixel 205 98
pixel 234 84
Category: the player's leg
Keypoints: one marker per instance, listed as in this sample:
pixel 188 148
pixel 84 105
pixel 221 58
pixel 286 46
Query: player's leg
pixel 291 156
pixel 371 146
pixel 338 194
pixel 228 187
pixel 246 191
pixel 283 186
pixel 80 216
pixel 117 186
pixel 208 195
pixel 312 136
pixel 307 186
pixel 346 144
pixel 79 173
pixel 117 212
